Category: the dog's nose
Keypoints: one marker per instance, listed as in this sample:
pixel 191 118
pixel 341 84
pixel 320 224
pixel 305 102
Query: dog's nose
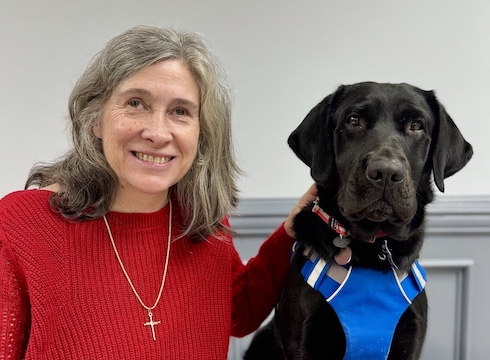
pixel 385 172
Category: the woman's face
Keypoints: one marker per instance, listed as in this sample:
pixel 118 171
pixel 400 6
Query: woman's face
pixel 149 130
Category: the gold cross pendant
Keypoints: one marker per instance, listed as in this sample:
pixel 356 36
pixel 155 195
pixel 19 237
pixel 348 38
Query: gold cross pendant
pixel 151 323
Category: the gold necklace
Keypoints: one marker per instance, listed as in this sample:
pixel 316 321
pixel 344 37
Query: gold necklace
pixel 149 309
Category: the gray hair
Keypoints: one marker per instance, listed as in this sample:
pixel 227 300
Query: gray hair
pixel 88 184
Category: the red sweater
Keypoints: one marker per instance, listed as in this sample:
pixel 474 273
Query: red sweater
pixel 63 294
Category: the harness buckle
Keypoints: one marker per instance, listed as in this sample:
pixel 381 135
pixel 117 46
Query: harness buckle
pixel 386 254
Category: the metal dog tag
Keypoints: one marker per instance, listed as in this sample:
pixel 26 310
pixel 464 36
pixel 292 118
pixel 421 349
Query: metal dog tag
pixel 344 256
pixel 341 242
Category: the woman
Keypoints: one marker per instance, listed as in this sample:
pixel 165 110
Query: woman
pixel 125 251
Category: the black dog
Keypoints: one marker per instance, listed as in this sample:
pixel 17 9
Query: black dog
pixel 372 149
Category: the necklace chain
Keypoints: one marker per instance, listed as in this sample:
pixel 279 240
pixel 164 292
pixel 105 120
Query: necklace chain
pixel 164 276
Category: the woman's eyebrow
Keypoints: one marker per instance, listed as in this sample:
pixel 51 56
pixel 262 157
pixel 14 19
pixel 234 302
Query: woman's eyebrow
pixel 185 102
pixel 146 93
pixel 134 92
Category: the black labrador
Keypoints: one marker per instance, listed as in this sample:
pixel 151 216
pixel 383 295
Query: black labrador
pixel 355 289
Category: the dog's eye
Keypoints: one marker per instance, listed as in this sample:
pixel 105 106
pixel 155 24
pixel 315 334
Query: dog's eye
pixel 416 125
pixel 354 120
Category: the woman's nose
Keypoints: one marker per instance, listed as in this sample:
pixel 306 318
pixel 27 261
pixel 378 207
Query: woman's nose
pixel 157 128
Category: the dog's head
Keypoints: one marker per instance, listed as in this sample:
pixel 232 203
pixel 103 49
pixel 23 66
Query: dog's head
pixel 376 146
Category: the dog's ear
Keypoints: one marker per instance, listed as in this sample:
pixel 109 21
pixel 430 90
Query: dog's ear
pixel 312 142
pixel 451 151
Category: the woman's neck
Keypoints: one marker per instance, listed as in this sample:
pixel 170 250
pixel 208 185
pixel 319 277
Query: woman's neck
pixel 139 203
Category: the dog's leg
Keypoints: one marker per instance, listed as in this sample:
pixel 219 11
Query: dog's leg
pixel 307 326
pixel 264 345
pixel 410 333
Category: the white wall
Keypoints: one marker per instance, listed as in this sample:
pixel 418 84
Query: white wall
pixel 283 57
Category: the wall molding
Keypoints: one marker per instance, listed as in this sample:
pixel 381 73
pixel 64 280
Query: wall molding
pixel 446 215
pixel 461 268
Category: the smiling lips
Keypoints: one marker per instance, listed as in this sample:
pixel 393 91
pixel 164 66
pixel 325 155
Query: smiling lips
pixel 152 159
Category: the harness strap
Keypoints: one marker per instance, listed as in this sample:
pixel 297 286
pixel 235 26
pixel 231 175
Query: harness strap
pixel 368 303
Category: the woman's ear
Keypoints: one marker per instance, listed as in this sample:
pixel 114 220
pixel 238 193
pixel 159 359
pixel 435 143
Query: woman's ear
pixel 96 130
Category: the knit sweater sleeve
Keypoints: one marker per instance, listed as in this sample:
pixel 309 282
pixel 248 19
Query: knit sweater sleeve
pixel 13 305
pixel 257 285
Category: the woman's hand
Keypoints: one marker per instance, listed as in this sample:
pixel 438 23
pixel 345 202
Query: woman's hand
pixel 306 199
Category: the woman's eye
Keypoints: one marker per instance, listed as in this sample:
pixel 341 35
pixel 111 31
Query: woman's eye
pixel 180 112
pixel 134 103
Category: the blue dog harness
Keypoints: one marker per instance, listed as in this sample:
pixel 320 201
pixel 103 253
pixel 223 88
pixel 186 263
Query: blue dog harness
pixel 368 303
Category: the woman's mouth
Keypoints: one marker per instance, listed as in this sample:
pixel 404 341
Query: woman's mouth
pixel 152 159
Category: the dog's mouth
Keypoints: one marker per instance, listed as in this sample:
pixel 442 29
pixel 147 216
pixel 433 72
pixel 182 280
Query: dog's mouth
pixel 378 211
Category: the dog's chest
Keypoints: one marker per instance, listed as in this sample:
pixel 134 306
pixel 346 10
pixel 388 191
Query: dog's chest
pixel 368 303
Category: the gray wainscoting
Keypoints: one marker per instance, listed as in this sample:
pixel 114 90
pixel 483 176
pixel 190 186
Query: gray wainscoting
pixel 456 255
